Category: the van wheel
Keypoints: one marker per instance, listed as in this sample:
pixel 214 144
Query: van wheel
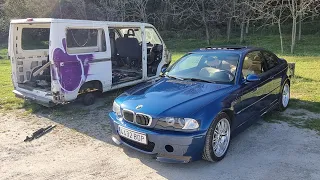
pixel 88 99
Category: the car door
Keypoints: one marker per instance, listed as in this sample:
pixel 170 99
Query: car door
pixel 253 93
pixel 273 71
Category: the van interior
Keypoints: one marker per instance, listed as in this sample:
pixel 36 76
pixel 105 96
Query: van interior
pixel 33 67
pixel 126 53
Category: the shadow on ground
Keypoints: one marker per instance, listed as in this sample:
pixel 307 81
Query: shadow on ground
pixel 89 120
pixel 262 150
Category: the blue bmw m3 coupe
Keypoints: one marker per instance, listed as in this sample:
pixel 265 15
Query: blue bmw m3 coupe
pixel 191 111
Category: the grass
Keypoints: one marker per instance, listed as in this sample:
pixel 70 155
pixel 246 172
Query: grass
pixel 294 120
pixel 308 46
pixel 7 99
pixel 305 89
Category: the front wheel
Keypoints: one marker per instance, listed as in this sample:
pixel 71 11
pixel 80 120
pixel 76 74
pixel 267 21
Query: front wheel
pixel 284 97
pixel 217 139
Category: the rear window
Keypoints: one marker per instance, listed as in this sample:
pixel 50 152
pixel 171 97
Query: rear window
pixel 271 59
pixel 35 38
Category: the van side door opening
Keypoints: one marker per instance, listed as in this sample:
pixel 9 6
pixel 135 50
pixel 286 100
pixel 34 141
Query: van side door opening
pixel 126 54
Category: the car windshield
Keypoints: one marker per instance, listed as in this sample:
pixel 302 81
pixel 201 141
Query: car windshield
pixel 207 67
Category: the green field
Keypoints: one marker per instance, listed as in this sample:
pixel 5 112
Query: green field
pixel 305 89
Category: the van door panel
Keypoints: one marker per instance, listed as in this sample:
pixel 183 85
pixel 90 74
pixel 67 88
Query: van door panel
pixel 74 69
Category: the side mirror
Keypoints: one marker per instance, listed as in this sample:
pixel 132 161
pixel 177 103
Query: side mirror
pixel 252 78
pixel 163 70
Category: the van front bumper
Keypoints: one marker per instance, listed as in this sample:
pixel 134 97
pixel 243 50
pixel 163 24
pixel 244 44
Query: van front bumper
pixel 185 147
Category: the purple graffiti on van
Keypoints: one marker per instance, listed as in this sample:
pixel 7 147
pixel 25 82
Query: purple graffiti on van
pixel 72 70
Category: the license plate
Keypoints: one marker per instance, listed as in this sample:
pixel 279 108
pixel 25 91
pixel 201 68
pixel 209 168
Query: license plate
pixel 133 135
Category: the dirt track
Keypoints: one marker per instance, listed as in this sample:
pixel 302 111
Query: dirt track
pixel 80 147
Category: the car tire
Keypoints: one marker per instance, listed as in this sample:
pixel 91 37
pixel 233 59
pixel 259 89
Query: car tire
pixel 284 97
pixel 88 99
pixel 209 153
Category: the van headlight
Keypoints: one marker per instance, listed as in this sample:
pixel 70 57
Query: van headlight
pixel 171 123
pixel 116 109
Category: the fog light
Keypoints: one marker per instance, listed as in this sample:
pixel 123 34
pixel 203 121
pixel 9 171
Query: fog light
pixel 169 148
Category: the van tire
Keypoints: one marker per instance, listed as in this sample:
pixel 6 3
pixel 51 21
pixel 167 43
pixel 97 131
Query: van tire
pixel 88 99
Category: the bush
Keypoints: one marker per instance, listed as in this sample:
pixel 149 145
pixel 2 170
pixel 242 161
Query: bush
pixel 4 30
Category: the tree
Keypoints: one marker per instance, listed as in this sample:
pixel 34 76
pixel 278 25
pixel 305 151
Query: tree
pixel 297 7
pixel 206 13
pixel 243 14
pixel 137 10
pixel 273 11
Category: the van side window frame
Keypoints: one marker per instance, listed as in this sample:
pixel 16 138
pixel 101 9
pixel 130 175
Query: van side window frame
pixel 101 34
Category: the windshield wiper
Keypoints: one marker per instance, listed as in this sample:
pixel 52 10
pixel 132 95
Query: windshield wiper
pixel 199 80
pixel 173 77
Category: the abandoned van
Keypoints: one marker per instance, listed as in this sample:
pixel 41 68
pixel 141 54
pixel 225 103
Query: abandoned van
pixel 54 61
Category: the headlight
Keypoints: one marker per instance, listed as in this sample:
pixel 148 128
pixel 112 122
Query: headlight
pixel 177 123
pixel 116 109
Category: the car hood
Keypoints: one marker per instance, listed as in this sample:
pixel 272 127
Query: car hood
pixel 171 97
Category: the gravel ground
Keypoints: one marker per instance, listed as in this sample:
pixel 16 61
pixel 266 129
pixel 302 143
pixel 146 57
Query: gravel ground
pixel 80 147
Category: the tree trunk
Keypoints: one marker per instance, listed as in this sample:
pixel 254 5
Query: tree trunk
pixel 242 33
pixel 229 29
pixel 205 22
pixel 293 34
pixel 207 34
pixel 313 15
pixel 60 9
pixel 300 28
pixel 247 27
pixel 280 35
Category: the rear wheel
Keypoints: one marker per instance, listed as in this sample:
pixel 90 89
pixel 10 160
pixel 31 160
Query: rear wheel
pixel 88 99
pixel 284 97
pixel 217 139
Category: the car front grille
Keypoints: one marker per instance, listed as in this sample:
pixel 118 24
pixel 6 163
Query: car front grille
pixel 143 119
pixel 137 118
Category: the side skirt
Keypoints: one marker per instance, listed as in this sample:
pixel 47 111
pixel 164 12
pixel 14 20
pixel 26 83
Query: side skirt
pixel 253 119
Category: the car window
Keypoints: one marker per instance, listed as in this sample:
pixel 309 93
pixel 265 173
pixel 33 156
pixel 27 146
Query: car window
pixel 187 62
pixel 252 64
pixel 270 59
pixel 213 67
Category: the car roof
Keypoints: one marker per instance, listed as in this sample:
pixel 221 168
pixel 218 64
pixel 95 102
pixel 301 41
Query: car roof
pixel 226 49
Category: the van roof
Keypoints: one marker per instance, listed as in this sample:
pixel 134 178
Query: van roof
pixel 53 20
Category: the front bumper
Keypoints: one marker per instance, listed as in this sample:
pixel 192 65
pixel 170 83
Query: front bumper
pixel 185 146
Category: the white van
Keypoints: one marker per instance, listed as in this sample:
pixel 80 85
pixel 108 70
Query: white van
pixel 54 61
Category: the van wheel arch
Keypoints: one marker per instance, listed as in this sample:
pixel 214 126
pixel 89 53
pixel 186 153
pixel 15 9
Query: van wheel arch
pixel 89 90
pixel 91 86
